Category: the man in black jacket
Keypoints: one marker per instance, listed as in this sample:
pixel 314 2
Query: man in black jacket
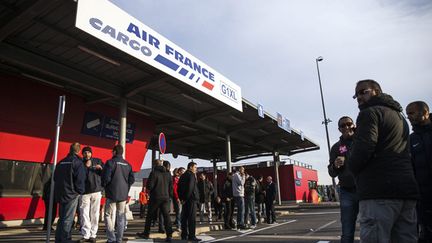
pixel 349 204
pixel 269 200
pixel 160 187
pixel 189 196
pixel 205 189
pixel 227 194
pixel 421 156
pixel 69 178
pixel 90 200
pixel 380 161
pixel 117 177
pixel 260 198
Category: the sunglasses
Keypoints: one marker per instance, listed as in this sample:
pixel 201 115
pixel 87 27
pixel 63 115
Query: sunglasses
pixel 361 92
pixel 348 124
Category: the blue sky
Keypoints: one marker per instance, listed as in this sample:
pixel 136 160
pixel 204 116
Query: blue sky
pixel 269 49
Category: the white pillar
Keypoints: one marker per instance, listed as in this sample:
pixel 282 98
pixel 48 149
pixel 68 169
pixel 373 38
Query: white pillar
pixel 123 124
pixel 215 175
pixel 276 160
pixel 228 153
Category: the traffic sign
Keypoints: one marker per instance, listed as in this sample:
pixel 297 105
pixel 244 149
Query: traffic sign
pixel 162 143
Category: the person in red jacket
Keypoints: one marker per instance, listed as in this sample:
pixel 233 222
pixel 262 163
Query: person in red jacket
pixel 176 202
pixel 143 199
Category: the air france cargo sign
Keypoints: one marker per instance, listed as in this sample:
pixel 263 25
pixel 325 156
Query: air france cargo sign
pixel 112 25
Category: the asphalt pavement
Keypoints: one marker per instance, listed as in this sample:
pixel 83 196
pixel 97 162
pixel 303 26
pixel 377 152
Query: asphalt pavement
pixel 295 223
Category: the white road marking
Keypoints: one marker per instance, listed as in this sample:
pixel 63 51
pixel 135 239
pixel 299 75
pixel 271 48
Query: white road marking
pixel 298 237
pixel 323 213
pixel 321 241
pixel 321 227
pixel 253 231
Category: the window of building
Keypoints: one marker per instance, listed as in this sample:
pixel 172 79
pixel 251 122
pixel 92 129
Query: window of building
pixel 312 184
pixel 19 178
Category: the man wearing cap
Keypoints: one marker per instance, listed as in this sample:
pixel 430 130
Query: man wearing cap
pixel 69 179
pixel 90 200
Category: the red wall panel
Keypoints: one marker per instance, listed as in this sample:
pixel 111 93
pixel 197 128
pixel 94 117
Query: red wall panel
pixel 27 126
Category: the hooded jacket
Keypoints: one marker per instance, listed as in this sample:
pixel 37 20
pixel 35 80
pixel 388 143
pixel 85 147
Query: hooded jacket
pixel 379 157
pixel 421 155
pixel 160 184
pixel 346 179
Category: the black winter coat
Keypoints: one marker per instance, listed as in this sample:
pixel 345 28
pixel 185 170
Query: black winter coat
pixel 93 181
pixel 260 192
pixel 227 192
pixel 69 178
pixel 421 154
pixel 270 192
pixel 160 184
pixel 379 158
pixel 117 177
pixel 189 181
pixel 205 189
pixel 346 179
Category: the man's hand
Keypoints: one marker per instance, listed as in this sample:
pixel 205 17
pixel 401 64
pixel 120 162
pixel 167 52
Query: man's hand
pixel 98 167
pixel 339 162
pixel 88 163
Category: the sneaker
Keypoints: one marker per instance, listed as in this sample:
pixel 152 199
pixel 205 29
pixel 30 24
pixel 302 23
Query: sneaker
pixel 253 226
pixel 92 240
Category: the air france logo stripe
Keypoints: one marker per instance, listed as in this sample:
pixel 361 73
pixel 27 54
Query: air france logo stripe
pixel 166 62
pixel 208 85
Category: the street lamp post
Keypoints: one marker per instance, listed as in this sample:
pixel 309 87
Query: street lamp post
pixel 326 120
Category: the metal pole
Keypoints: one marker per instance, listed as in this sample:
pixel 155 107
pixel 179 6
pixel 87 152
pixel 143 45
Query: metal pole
pixel 326 121
pixel 276 160
pixel 228 153
pixel 215 175
pixel 60 115
pixel 123 124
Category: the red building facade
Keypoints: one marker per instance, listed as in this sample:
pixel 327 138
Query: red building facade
pixel 27 134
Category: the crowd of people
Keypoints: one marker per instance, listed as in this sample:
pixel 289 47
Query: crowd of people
pixel 384 172
pixel 190 192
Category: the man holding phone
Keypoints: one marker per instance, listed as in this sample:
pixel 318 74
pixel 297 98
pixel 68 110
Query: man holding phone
pixel 349 203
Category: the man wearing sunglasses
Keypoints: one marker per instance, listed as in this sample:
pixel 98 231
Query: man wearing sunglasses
pixel 349 204
pixel 380 161
pixel 421 156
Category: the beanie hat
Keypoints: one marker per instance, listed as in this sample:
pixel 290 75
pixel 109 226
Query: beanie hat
pixel 85 149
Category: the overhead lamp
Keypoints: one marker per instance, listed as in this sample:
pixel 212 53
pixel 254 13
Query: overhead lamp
pixel 96 54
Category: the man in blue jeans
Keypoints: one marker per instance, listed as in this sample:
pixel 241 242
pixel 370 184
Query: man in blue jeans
pixel 69 179
pixel 349 203
pixel 238 193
